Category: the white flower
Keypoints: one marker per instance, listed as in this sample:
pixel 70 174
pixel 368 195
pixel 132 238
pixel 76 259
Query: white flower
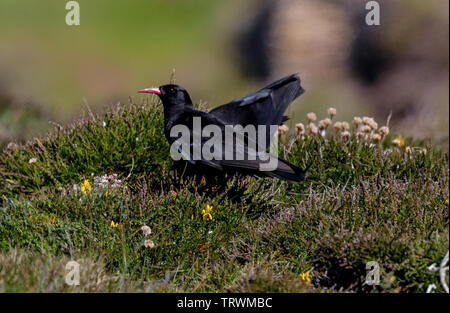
pixel 32 161
pixel 149 244
pixel 104 124
pixel 146 230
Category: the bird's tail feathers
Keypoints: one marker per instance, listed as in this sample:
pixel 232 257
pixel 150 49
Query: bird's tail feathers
pixel 288 171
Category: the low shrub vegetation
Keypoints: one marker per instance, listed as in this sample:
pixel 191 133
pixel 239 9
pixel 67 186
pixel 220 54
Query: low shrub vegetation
pixel 104 192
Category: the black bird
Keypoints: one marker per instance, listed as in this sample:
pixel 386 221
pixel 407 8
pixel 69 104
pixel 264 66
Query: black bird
pixel 264 107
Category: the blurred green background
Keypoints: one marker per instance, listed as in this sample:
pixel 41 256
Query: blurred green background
pixel 221 50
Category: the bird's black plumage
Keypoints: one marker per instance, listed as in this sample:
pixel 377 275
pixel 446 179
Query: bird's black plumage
pixel 264 107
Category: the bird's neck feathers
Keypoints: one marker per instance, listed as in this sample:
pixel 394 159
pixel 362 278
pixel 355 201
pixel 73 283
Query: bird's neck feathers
pixel 174 113
pixel 175 107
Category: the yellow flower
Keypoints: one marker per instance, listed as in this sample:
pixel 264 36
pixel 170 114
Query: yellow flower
pixel 107 193
pixel 86 186
pixel 447 202
pixel 208 209
pixel 114 225
pixel 206 213
pixel 399 141
pixel 305 277
pixel 396 290
pixel 207 217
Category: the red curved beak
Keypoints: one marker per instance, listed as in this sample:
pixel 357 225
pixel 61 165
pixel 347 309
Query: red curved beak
pixel 150 90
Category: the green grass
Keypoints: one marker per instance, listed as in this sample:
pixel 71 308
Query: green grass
pixel 359 203
pixel 112 51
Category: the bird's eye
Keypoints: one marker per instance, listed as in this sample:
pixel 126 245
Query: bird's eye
pixel 172 90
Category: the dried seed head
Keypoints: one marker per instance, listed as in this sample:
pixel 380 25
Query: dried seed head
pixel 311 116
pixel 337 126
pixel 376 138
pixel 282 129
pixel 357 121
pixel 408 150
pixel 325 123
pixel 345 126
pixel 321 125
pixel 331 112
pixel 366 129
pixel 300 128
pixel 383 131
pixel 359 135
pixel 313 130
pixel 346 134
pixel 366 120
pixel 373 124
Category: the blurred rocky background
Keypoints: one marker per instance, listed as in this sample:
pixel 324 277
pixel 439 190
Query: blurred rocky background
pixel 51 72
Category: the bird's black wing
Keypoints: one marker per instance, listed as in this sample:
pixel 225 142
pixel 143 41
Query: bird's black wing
pixel 254 158
pixel 264 107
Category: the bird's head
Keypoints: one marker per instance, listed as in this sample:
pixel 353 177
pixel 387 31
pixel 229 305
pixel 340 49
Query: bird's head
pixel 171 95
